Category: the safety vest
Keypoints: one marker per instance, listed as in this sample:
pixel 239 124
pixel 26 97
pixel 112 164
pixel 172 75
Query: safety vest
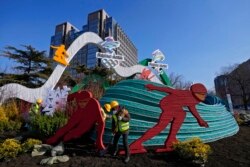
pixel 120 126
pixel 35 109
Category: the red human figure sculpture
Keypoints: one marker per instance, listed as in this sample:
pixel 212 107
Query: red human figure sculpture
pixel 145 74
pixel 86 114
pixel 172 111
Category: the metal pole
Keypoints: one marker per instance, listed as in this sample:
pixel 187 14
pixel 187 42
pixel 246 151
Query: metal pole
pixel 229 100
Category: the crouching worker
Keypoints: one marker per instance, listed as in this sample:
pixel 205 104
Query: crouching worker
pixel 106 109
pixel 36 108
pixel 120 126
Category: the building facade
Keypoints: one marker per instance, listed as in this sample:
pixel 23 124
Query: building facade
pixel 102 24
pixel 237 84
pixel 220 83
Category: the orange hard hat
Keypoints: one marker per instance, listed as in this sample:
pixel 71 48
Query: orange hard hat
pixel 114 104
pixel 107 107
pixel 39 101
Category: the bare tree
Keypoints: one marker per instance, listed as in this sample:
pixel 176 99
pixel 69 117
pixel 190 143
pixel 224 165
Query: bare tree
pixel 226 70
pixel 237 83
pixel 178 81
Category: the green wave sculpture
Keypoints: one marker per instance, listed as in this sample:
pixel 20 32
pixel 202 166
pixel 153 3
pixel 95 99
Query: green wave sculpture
pixel 144 110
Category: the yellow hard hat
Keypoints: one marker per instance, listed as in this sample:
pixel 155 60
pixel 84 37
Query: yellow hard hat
pixel 107 107
pixel 114 104
pixel 39 101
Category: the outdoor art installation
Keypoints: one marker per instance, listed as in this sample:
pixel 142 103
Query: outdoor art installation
pixel 30 95
pixel 145 112
pixel 158 56
pixel 146 74
pixel 55 100
pixel 60 54
pixel 86 113
pixel 151 111
pixel 172 111
pixel 110 59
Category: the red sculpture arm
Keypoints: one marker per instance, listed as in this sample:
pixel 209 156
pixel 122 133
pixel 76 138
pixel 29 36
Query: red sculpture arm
pixel 158 88
pixel 100 131
pixel 197 116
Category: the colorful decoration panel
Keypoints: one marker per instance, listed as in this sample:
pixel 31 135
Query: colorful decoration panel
pixel 56 99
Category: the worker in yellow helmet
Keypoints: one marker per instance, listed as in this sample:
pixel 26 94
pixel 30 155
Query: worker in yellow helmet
pixel 36 107
pixel 120 126
pixel 106 108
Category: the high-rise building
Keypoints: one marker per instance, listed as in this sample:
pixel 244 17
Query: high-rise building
pixel 220 83
pixel 102 24
pixel 236 83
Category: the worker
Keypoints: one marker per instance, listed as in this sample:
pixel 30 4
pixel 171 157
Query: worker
pixel 36 107
pixel 106 108
pixel 120 126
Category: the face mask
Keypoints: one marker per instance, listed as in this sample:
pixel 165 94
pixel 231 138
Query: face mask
pixel 114 111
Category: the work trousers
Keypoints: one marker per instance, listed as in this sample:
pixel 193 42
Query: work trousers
pixel 125 142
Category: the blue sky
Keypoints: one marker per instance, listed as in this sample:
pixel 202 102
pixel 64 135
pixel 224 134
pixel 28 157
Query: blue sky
pixel 198 37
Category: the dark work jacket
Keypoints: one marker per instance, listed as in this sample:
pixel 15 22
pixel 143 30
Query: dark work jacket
pixel 125 118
